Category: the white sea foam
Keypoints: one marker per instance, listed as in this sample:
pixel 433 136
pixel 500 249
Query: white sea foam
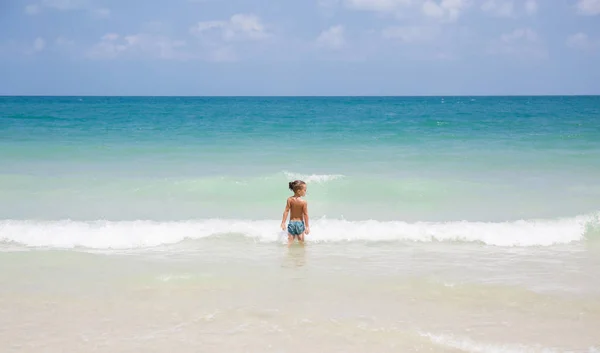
pixel 141 234
pixel 468 345
pixel 313 178
pixel 174 277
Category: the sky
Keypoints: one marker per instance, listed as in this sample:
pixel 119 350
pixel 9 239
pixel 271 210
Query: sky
pixel 299 47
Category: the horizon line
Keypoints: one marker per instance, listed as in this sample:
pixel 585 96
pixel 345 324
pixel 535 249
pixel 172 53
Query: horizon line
pixel 301 96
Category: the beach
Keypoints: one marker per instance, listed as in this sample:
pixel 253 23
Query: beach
pixel 438 224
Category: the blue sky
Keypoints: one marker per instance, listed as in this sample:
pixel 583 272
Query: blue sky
pixel 299 47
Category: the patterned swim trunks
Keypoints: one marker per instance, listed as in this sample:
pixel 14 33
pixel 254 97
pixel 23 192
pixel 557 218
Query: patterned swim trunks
pixel 295 228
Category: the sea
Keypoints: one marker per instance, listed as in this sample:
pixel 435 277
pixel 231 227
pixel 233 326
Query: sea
pixel 438 224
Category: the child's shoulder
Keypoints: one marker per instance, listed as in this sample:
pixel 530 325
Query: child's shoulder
pixel 296 200
pixel 301 201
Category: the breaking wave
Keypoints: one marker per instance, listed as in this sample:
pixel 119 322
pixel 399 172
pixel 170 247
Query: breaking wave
pixel 142 233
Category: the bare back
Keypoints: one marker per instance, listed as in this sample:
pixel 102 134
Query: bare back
pixel 297 208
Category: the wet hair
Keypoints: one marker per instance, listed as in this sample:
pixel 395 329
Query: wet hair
pixel 296 185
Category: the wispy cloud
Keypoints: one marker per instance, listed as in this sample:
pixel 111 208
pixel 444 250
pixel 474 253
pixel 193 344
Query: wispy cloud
pixel 525 34
pixel 219 39
pixel 39 44
pixel 62 41
pixel 499 8
pixel 113 45
pixel 522 42
pixel 531 7
pixel 377 5
pixel 410 34
pixel 445 10
pixel 238 27
pixel 332 38
pixel 509 8
pixel 582 41
pixel 588 7
pixel 66 5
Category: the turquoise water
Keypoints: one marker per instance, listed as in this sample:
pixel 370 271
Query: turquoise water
pixel 438 224
pixel 404 168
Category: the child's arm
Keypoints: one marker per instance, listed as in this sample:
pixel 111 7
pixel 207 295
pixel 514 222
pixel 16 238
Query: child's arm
pixel 285 214
pixel 306 222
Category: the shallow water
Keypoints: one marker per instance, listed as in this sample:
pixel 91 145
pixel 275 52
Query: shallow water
pixel 216 294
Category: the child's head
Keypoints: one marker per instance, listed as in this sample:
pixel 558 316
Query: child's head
pixel 298 187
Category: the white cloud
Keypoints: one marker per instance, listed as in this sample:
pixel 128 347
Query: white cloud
pixel 579 41
pixel 238 27
pixel 507 8
pixel 32 9
pixel 62 41
pixel 588 7
pixel 160 46
pixel 498 8
pixel 410 34
pixel 582 41
pixel 39 44
pixel 217 38
pixel 110 37
pixel 112 45
pixel 389 7
pixel 108 47
pixel 332 38
pixel 66 5
pixel 525 34
pixel 531 7
pixel 445 10
pixel 522 42
pixel 377 5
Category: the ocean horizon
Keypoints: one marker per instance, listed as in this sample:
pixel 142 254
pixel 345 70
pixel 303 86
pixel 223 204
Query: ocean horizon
pixel 300 96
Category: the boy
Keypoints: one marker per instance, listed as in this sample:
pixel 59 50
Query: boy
pixel 298 210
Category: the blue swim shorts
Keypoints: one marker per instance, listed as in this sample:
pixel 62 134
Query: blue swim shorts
pixel 295 228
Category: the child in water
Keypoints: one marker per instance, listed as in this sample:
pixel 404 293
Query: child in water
pixel 298 210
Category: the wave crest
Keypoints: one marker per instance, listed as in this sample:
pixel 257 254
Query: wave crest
pixel 313 178
pixel 142 234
